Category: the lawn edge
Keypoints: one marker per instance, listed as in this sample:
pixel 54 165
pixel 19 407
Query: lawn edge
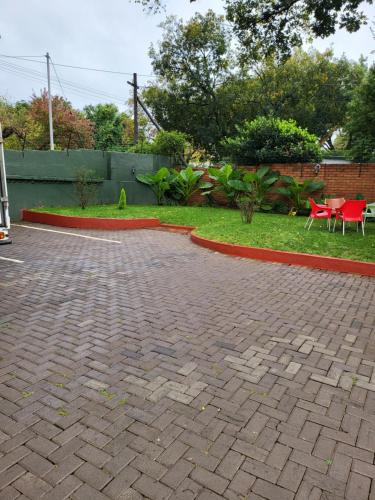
pixel 73 221
pixel 265 254
pixel 292 258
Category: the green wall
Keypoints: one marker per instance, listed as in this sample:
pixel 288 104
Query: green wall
pixel 46 178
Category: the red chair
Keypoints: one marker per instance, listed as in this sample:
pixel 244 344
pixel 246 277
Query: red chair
pixel 318 212
pixel 351 211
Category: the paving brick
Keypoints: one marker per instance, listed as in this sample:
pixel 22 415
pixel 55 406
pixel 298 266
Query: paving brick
pixel 137 396
pixel 31 486
pixel 121 482
pixel 242 482
pixel 358 487
pixel 175 475
pixel 230 464
pixel 261 470
pixel 152 489
pixel 64 489
pixel 291 476
pixel 209 480
pixel 93 476
pixel 271 491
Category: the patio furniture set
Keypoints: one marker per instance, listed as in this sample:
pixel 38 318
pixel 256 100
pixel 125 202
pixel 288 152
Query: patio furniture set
pixel 345 210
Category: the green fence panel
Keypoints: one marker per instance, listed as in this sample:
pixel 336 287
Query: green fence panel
pixel 46 178
pixel 55 165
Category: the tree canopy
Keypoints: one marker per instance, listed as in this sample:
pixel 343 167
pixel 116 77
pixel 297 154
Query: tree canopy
pixel 274 27
pixel 30 126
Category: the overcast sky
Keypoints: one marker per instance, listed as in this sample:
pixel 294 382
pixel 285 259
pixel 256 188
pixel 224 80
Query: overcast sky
pixel 113 35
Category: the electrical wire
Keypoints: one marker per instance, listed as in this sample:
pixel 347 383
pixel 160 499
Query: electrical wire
pixel 73 87
pixel 58 79
pixel 25 58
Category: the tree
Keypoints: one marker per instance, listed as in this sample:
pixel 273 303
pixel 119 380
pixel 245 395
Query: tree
pixel 192 60
pixel 28 124
pixel 361 119
pixel 266 27
pixel 313 88
pixel 108 125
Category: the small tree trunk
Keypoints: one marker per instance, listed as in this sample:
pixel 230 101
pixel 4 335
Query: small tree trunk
pixel 247 210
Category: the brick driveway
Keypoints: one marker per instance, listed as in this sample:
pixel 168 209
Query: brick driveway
pixel 148 367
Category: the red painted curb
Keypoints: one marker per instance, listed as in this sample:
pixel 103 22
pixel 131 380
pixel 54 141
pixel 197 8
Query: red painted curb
pixel 87 222
pixel 293 258
pixel 176 228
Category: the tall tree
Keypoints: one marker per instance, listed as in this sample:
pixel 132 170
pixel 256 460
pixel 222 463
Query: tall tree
pixel 361 119
pixel 274 27
pixel 192 61
pixel 269 27
pixel 108 125
pixel 313 88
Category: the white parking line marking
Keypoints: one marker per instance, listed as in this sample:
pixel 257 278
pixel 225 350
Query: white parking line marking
pixel 12 260
pixel 67 233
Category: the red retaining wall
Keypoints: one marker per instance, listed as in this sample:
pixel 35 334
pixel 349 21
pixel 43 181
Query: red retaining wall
pixel 341 180
pixel 88 222
pixel 293 258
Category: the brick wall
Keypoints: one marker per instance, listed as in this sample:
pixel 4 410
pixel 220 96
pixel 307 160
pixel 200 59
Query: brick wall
pixel 341 180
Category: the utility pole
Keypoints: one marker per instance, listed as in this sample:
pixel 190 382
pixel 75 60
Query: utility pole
pixel 134 84
pixel 135 98
pixel 50 119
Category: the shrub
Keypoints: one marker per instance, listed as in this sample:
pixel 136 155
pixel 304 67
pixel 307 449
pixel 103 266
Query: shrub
pixel 122 199
pixel 171 143
pixel 298 192
pixel 85 186
pixel 272 140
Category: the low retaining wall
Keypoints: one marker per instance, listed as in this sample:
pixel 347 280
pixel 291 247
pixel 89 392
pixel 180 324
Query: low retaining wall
pixel 88 222
pixel 291 258
pixel 264 254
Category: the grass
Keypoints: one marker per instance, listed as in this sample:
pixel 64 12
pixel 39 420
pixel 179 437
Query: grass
pixel 280 232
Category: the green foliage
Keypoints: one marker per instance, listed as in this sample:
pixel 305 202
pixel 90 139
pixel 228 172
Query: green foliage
pixel 187 182
pixel 313 88
pixel 108 125
pixel 170 143
pixel 266 28
pixel 298 192
pixel 85 187
pixel 192 60
pixel 272 140
pixel 223 177
pixel 27 125
pixel 247 189
pixel 361 120
pixel 159 182
pixel 122 199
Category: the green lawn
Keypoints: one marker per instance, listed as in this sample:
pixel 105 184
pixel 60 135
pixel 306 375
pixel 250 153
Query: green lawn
pixel 280 232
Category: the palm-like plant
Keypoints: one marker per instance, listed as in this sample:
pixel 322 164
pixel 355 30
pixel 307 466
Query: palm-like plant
pixel 223 177
pixel 186 183
pixel 298 192
pixel 160 182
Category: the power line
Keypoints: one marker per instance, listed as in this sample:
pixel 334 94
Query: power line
pixel 58 79
pixel 73 87
pixel 25 58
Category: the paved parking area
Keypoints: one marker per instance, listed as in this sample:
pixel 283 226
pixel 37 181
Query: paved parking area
pixel 147 367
